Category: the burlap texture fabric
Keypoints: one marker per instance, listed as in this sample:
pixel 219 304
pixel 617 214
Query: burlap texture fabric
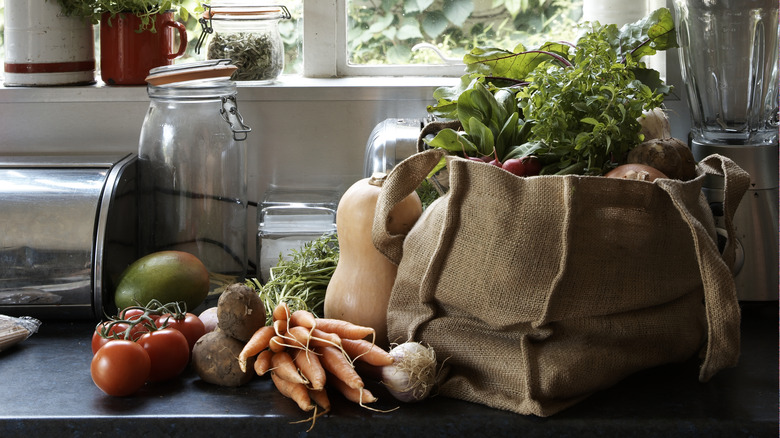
pixel 541 291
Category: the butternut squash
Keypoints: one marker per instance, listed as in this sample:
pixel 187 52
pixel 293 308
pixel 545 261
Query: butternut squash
pixel 359 289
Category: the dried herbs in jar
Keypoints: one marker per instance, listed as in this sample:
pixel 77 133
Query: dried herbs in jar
pixel 249 37
pixel 259 57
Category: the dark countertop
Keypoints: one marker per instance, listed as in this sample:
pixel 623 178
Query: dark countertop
pixel 46 390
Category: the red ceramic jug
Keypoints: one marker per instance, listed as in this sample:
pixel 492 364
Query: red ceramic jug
pixel 127 55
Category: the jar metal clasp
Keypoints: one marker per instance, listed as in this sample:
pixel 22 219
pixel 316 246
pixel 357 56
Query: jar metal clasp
pixel 229 112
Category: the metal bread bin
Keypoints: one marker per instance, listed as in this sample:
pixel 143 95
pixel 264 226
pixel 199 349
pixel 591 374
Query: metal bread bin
pixel 68 231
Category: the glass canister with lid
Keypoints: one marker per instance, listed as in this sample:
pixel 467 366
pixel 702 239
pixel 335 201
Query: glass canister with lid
pixel 192 187
pixel 248 35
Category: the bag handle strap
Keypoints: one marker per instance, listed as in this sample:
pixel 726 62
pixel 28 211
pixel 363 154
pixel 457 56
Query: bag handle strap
pixel 720 297
pixel 402 180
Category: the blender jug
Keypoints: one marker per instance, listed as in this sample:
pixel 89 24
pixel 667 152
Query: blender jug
pixel 729 63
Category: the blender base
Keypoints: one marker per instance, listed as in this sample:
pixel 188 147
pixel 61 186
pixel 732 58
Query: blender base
pixel 756 218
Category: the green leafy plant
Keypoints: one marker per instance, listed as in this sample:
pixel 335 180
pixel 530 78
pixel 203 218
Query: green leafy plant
pixel 146 10
pixel 490 120
pixel 577 104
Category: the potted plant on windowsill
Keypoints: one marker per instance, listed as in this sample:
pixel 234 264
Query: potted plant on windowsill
pixel 135 35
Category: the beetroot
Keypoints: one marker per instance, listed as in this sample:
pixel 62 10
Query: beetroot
pixel 533 166
pixel 514 166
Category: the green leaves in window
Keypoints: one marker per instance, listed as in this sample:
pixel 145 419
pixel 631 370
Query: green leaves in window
pixel 434 23
pixel 457 11
pixel 416 5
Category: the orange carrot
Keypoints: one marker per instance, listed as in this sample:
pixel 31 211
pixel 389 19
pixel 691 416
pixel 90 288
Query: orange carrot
pixel 263 362
pixel 326 337
pixel 281 312
pixel 334 361
pixel 280 327
pixel 321 398
pixel 356 395
pixel 277 344
pixel 359 349
pixel 257 343
pixel 310 367
pixel 295 391
pixel 285 368
pixel 302 318
pixel 310 338
pixel 345 330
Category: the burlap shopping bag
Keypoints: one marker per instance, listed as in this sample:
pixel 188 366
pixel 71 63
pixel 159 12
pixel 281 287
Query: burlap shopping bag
pixel 541 291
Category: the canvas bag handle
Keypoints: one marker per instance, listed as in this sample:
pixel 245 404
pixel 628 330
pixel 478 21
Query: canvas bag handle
pixel 402 180
pixel 720 299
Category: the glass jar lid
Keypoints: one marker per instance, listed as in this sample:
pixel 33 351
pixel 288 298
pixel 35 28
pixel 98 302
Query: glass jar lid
pixel 191 71
pixel 242 11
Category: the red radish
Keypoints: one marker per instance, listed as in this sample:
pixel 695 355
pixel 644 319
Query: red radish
pixel 532 165
pixel 514 166
pixel 495 162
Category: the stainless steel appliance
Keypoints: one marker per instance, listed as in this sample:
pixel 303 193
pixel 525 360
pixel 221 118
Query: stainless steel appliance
pixel 729 63
pixel 68 231
pixel 390 142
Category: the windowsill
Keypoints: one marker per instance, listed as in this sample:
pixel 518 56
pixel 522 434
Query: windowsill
pixel 286 88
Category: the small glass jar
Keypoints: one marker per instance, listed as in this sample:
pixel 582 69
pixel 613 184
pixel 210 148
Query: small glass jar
pixel 248 36
pixel 192 186
pixel 287 219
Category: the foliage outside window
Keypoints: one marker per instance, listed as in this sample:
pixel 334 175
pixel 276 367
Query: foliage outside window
pixel 386 31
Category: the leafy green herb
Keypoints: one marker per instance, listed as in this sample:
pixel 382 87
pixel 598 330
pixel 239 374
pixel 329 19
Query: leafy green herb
pixel 427 193
pixel 575 106
pixel 146 10
pixel 302 280
pixel 258 56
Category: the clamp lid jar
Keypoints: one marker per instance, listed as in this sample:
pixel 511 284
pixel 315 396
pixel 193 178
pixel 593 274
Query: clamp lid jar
pixel 192 188
pixel 247 35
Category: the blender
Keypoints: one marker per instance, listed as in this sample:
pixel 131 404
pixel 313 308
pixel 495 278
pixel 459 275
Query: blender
pixel 729 63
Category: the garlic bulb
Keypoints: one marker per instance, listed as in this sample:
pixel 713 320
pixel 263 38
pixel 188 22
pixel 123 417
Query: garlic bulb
pixel 413 373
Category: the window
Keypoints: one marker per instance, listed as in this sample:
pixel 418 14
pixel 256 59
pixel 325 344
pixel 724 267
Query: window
pixel 423 37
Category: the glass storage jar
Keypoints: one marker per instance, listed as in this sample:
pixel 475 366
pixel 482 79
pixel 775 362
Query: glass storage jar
pixel 287 219
pixel 192 187
pixel 248 36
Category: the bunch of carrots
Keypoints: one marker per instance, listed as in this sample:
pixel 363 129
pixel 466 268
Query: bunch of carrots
pixel 303 353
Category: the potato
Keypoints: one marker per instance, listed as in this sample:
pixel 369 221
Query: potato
pixel 214 358
pixel 669 155
pixel 240 311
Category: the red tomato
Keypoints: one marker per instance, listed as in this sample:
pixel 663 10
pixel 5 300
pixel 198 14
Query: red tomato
pixel 190 326
pixel 100 339
pixel 169 352
pixel 120 367
pixel 137 314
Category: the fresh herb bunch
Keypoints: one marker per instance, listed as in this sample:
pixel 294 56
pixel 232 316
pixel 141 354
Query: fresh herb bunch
pixel 146 10
pixel 302 280
pixel 576 105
